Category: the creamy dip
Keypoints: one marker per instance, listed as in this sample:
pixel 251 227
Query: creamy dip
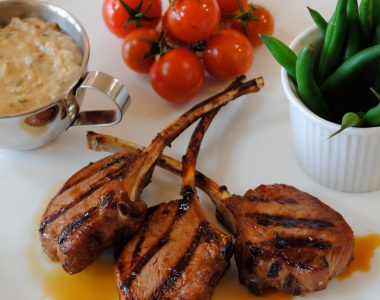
pixel 37 63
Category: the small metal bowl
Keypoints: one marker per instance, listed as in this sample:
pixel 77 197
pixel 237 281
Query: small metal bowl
pixel 35 128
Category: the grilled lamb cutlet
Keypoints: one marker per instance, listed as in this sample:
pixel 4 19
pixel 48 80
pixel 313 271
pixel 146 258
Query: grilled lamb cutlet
pixel 102 202
pixel 177 254
pixel 285 239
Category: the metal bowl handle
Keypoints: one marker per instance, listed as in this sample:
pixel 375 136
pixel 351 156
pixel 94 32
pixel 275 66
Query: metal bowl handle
pixel 112 88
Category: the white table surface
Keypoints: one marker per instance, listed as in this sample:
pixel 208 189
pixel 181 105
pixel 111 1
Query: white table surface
pixel 249 143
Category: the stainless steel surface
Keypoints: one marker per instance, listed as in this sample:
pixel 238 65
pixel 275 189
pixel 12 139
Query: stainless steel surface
pixel 112 88
pixel 33 129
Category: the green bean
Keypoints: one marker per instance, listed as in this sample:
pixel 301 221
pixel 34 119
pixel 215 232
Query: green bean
pixel 376 19
pixel 318 20
pixel 349 119
pixel 372 117
pixel 308 89
pixel 351 68
pixel 353 41
pixel 333 41
pixel 366 19
pixel 282 53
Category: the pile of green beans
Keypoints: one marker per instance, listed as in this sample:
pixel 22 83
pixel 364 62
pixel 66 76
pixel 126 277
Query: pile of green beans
pixel 342 82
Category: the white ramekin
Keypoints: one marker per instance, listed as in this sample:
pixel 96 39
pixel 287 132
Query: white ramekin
pixel 348 162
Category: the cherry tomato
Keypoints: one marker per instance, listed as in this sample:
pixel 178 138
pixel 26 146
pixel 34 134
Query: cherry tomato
pixel 136 47
pixel 115 15
pixel 228 54
pixel 170 39
pixel 263 25
pixel 193 21
pixel 228 7
pixel 178 75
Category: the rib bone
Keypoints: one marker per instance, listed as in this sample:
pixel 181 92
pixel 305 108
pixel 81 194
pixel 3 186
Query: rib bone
pixel 102 202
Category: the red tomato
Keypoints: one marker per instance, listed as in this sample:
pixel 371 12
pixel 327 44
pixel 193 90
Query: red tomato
pixel 228 7
pixel 178 75
pixel 116 16
pixel 193 21
pixel 170 39
pixel 228 54
pixel 135 48
pixel 263 25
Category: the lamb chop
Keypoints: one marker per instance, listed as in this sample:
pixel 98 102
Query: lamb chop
pixel 102 203
pixel 285 239
pixel 177 254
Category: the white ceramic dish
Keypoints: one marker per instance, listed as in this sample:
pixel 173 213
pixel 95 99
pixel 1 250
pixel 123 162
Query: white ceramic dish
pixel 349 162
pixel 249 143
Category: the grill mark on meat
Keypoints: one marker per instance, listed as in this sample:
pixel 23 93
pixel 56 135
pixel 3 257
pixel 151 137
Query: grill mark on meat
pixel 289 222
pixel 184 203
pixel 250 263
pixel 182 208
pixel 203 228
pixel 137 249
pixel 227 250
pixel 252 259
pixel 75 224
pixel 282 242
pixel 253 286
pixel 256 251
pixel 275 269
pixel 96 186
pixel 105 166
pixel 107 199
pixel 304 266
pixel 291 285
pixel 63 210
pixel 124 287
pixel 209 235
pixel 269 200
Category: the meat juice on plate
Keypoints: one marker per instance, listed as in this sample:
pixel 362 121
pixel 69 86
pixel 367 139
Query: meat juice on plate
pixel 97 282
pixel 365 248
pixel 58 285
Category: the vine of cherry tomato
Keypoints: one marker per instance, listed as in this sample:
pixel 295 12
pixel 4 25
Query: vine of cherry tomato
pixel 193 36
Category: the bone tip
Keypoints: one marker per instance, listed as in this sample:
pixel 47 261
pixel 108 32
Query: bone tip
pixel 260 81
pixel 91 140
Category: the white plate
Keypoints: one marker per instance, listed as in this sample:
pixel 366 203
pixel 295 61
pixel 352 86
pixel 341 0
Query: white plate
pixel 249 143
